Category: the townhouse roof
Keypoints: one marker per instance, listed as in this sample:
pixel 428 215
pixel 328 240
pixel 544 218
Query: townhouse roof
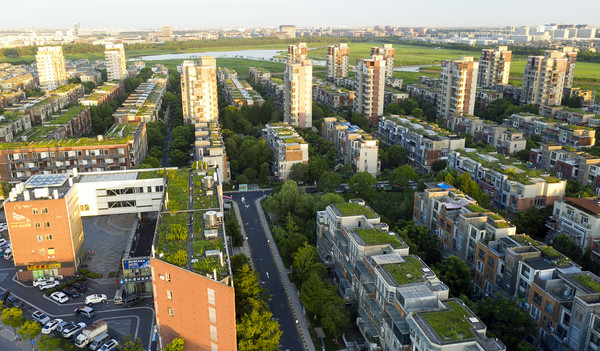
pixel 585 204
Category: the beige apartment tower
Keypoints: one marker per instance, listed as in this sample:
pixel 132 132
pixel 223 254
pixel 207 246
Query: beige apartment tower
pixel 337 61
pixel 494 67
pixel 297 91
pixel 199 90
pixel 51 67
pixel 370 76
pixel 458 87
pixel 547 77
pixel 116 67
pixel 297 53
pixel 387 51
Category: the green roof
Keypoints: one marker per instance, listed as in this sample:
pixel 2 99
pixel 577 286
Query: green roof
pixel 401 271
pixel 476 208
pixel 352 209
pixel 589 282
pixel 65 117
pixel 376 236
pixel 451 324
pixel 64 88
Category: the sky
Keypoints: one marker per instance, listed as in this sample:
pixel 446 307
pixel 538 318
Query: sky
pixel 182 14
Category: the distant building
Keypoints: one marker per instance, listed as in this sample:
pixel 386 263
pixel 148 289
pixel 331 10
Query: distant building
pixel 297 81
pixel 51 67
pixel 458 87
pixel 494 67
pixel 387 51
pixel 370 75
pixel 167 31
pixel 287 31
pixel 116 66
pixel 546 78
pixel 337 61
pixel 297 53
pixel 199 90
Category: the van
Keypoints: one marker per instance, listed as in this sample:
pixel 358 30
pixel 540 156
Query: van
pixel 85 311
pixel 99 341
pixel 8 255
pixel 119 296
pixel 131 300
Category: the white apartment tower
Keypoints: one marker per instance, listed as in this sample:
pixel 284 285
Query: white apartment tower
pixel 387 51
pixel 494 67
pixel 297 83
pixel 370 76
pixel 116 66
pixel 199 90
pixel 337 61
pixel 547 77
pixel 51 67
pixel 297 53
pixel 458 87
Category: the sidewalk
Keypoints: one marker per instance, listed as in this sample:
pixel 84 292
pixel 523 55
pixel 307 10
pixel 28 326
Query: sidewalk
pixel 289 289
pixel 7 340
pixel 245 248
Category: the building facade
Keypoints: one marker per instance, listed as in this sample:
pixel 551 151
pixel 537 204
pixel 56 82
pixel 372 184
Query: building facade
pixel 370 77
pixel 337 61
pixel 547 77
pixel 297 92
pixel 199 90
pixel 116 66
pixel 288 148
pixel 388 53
pixel 458 87
pixel 494 67
pixel 51 67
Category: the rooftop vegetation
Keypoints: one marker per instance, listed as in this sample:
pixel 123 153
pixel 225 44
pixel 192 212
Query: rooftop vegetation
pixel 65 117
pixel 352 209
pixel 589 282
pixel 407 272
pixel 451 324
pixel 376 236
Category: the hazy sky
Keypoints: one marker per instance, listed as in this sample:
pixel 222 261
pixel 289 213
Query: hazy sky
pixel 268 13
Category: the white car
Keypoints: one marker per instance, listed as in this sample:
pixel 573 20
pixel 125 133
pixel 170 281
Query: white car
pixel 51 326
pixel 69 331
pixel 110 345
pixel 48 285
pixel 96 298
pixel 39 281
pixel 40 317
pixel 2 241
pixel 59 297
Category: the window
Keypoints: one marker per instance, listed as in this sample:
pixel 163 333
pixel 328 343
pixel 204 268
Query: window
pixel 211 296
pixel 169 295
pixel 171 312
pixel 51 251
pixel 38 224
pixel 535 313
pixel 46 224
pixel 213 333
pixel 35 211
pixel 214 347
pixel 84 207
pixel 212 314
pixel 45 210
pixel 168 276
pixel 479 266
pixel 40 238
pixel 42 252
pixel 48 236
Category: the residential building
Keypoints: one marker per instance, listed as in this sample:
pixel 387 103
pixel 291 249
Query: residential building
pixel 297 53
pixel 354 146
pixel 486 96
pixel 103 94
pixel 425 143
pixel 210 148
pixel 494 67
pixel 337 61
pixel 426 93
pixel 297 81
pixel 199 90
pixel 166 31
pixel 122 147
pixel 458 86
pixel 237 91
pixel 587 97
pixel 194 296
pixel 547 77
pixel 288 148
pixel 116 66
pixel 333 96
pixel 50 64
pixel 510 184
pixel 287 31
pixel 577 218
pixel 370 77
pixel 387 52
pixel 554 131
pixel 259 75
pixel 143 105
pixel 17 78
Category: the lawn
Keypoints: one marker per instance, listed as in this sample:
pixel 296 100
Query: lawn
pixel 451 324
pixel 401 271
pixel 376 236
pixel 352 209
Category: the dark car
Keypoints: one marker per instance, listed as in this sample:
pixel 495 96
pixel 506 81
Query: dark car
pixel 4 295
pixel 14 302
pixel 81 286
pixel 71 292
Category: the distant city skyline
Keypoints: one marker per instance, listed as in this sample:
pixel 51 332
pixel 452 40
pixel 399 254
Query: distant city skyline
pixel 113 14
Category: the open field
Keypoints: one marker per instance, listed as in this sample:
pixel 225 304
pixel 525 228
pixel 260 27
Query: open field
pixel 582 69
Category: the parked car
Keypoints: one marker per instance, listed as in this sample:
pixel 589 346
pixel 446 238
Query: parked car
pixel 51 326
pixel 85 311
pixel 63 325
pixel 3 242
pixel 59 297
pixel 39 281
pixel 14 302
pixel 73 329
pixel 110 345
pixel 40 317
pixel 71 292
pixel 95 298
pixel 48 285
pixel 80 286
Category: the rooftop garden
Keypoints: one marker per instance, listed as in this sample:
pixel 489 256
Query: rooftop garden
pixel 65 117
pixel 277 81
pixel 476 208
pixel 64 143
pixel 376 236
pixel 119 130
pixel 64 88
pixel 407 272
pixel 588 281
pixel 451 324
pixel 352 209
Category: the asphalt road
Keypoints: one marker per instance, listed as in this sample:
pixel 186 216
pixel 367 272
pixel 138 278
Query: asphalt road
pixel 264 264
pixel 138 321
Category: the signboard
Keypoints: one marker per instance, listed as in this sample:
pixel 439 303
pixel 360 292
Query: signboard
pixel 243 187
pixel 136 263
pixel 137 279
pixel 43 266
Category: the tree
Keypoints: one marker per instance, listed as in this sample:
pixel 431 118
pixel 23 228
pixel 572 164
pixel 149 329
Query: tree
pixel 336 318
pixel 131 344
pixel 522 155
pixel 304 259
pixel 48 343
pixel 232 228
pixel 329 181
pixel 362 184
pixel 420 241
pixel 13 317
pixel 438 165
pixel 455 273
pixel 403 175
pixel 257 331
pixel 396 155
pixel 532 221
pixel 30 330
pixel 317 166
pixel 175 345
pixel 246 288
pixel 567 247
pixel 179 158
pixel 299 172
pixel 312 294
pixel 504 320
pixel 346 171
